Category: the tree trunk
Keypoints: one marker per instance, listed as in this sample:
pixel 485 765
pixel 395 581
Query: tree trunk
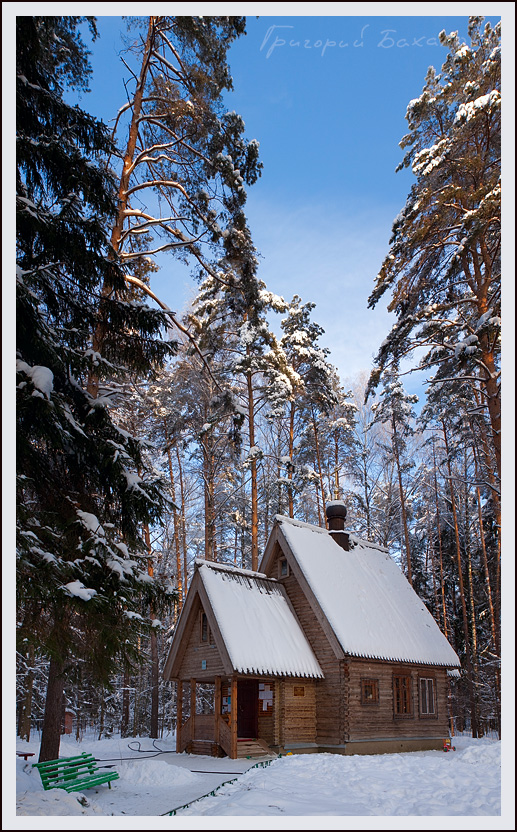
pixel 254 489
pixel 101 721
pixel 24 730
pixel 488 472
pixel 207 505
pixel 291 454
pixel 100 330
pixel 265 505
pixel 430 554
pixel 54 712
pixel 439 533
pixel 366 495
pixel 155 687
pixel 337 487
pixel 154 647
pixel 489 380
pixel 322 515
pixel 183 523
pixel 470 685
pixel 137 716
pixel 402 502
pixel 494 628
pixel 124 722
pixel 177 548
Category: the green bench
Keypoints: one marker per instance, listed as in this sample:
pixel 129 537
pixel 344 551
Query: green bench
pixel 73 773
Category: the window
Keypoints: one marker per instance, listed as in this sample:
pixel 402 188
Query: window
pixel 283 568
pixel 205 633
pixel 402 703
pixel 369 691
pixel 427 698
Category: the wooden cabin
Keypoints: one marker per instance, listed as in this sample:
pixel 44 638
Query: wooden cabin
pixel 326 649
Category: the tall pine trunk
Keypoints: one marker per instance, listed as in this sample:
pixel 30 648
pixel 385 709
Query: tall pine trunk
pixel 482 280
pixel 54 712
pixel 254 488
pixel 100 330
pixel 440 550
pixel 468 660
pixel 402 500
pixel 291 454
pixel 321 515
pixel 155 685
pixel 154 648
pixel 337 487
pixel 494 629
pixel 183 523
pixel 175 520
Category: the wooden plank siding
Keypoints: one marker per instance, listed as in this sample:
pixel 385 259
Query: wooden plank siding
pixel 330 693
pixel 378 719
pixel 197 651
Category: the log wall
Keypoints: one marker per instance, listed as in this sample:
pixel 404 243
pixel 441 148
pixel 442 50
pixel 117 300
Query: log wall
pixel 298 716
pixel 266 719
pixel 197 651
pixel 378 719
pixel 330 692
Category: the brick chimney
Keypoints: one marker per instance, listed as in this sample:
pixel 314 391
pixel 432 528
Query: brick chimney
pixel 336 516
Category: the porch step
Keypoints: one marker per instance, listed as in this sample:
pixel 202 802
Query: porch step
pixel 205 748
pixel 253 748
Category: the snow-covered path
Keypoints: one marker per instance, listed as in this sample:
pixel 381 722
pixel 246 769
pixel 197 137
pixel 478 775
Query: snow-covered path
pixel 465 782
pixel 148 784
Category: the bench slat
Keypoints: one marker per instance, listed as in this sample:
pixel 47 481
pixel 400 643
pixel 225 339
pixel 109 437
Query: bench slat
pixel 79 785
pixel 73 773
pixel 82 758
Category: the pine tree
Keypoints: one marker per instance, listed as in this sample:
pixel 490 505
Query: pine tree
pixel 83 491
pixel 444 268
pixel 395 410
pixel 315 395
pixel 229 322
pixel 181 152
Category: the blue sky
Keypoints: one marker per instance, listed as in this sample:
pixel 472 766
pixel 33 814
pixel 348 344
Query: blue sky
pixel 326 97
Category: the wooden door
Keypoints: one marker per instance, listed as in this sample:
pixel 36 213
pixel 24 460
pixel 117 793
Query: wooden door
pixel 247 708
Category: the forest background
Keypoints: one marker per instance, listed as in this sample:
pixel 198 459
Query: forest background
pixel 274 427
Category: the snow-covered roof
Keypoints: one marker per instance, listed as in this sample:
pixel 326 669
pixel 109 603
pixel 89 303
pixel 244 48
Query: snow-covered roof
pixel 260 631
pixel 368 602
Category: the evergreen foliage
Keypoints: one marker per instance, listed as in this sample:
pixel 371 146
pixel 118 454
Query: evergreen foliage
pixel 82 487
pixel 189 450
pixel 443 267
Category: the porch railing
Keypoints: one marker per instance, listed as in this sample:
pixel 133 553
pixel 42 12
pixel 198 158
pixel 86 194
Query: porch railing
pixel 204 728
pixel 224 737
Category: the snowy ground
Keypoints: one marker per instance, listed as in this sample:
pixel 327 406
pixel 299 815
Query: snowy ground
pixel 461 783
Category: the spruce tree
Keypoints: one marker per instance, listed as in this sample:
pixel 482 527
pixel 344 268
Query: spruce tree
pixel 83 491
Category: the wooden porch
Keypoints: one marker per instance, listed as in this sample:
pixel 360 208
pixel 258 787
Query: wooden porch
pixel 215 734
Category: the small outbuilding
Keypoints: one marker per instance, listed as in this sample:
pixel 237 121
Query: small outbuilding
pixel 326 649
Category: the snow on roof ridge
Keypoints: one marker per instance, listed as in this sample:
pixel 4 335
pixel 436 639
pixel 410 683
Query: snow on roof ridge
pixel 227 567
pixel 281 518
pixel 360 541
